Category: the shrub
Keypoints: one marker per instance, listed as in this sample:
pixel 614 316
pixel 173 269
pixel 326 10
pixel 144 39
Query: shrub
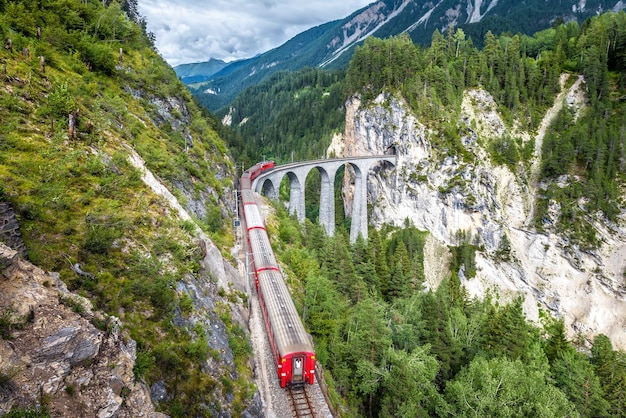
pixel 143 363
pixel 100 236
pixel 33 412
pixel 60 102
pixel 98 57
pixel 8 323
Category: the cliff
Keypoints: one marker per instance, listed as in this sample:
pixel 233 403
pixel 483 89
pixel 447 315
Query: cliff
pixel 122 187
pixel 492 207
pixel 56 352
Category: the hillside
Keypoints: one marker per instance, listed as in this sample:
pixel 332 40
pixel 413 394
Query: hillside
pixel 332 44
pixel 122 190
pixel 495 262
pixel 306 109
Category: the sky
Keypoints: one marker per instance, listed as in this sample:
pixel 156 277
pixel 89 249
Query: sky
pixel 190 31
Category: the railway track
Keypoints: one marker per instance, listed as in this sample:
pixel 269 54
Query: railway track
pixel 300 403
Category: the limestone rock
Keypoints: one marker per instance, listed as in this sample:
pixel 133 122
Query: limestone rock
pixel 10 229
pixel 444 194
pixel 56 356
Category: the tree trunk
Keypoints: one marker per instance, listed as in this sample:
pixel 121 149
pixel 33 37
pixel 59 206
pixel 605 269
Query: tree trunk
pixel 42 63
pixel 71 126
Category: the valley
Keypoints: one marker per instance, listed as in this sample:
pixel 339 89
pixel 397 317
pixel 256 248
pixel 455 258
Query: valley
pixel 494 250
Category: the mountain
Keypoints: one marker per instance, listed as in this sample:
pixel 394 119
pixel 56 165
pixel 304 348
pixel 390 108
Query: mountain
pixel 116 197
pixel 331 45
pixel 198 72
pixel 503 223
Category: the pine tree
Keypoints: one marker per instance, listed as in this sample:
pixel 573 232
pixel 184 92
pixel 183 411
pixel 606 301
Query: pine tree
pixel 557 345
pixel 574 375
pixel 363 258
pixel 506 332
pixel 398 283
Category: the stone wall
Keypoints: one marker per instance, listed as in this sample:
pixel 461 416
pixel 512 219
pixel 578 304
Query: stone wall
pixel 10 229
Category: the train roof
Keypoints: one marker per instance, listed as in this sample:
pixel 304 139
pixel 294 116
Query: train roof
pixel 289 333
pixel 253 217
pixel 261 249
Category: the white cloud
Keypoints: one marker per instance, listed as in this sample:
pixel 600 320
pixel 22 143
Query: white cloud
pixel 194 31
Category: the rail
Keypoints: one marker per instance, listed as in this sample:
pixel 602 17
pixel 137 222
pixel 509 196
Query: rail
pixel 300 403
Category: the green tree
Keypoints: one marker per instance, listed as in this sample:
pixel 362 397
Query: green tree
pixel 61 102
pixel 556 345
pixel 436 311
pixel 363 258
pixel 367 338
pixel 504 388
pixel 324 312
pixel 407 387
pixel 398 283
pixel 574 375
pixel 507 333
pixel 381 265
pixel 610 367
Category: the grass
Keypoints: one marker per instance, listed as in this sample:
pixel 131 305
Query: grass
pixel 79 200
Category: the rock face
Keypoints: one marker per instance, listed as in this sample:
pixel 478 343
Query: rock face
pixel 10 229
pixel 52 355
pixel 446 194
pixel 203 291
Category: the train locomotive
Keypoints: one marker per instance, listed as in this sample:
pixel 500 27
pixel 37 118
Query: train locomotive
pixel 291 345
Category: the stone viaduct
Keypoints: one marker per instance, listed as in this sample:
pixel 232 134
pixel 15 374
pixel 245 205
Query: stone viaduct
pixel 268 183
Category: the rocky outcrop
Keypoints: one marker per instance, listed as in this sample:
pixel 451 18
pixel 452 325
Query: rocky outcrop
pixel 52 354
pixel 446 194
pixel 10 229
pixel 203 291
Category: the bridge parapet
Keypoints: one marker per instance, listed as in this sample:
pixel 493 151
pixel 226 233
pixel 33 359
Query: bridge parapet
pixel 269 182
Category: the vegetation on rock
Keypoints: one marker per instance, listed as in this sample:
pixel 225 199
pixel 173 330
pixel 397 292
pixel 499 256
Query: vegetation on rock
pixel 382 337
pixel 83 90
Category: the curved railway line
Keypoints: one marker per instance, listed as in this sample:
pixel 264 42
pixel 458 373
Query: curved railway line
pixel 292 346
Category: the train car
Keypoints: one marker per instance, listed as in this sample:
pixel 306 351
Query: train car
pixel 258 168
pixel 290 343
pixel 253 217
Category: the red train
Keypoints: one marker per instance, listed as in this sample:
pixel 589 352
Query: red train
pixel 258 168
pixel 291 345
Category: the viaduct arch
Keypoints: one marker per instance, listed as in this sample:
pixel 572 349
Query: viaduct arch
pixel 269 183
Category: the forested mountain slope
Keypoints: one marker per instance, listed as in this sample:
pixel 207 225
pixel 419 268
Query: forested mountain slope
pixel 292 115
pixel 496 264
pixel 332 44
pixel 198 72
pixel 122 189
